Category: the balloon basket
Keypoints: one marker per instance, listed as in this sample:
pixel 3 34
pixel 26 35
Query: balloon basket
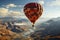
pixel 33 26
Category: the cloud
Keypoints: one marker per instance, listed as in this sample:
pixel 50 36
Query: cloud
pixel 14 13
pixel 6 12
pixel 11 5
pixel 53 14
pixel 20 5
pixel 3 12
pixel 41 2
pixel 54 3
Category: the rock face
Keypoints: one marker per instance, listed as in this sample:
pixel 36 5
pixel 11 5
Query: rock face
pixel 52 28
pixel 9 31
pixel 7 34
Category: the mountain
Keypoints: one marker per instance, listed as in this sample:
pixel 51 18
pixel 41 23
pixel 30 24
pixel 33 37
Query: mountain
pixel 13 19
pixel 9 21
pixel 51 27
pixel 41 20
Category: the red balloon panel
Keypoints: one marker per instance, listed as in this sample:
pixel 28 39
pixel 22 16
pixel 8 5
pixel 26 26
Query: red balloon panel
pixel 33 11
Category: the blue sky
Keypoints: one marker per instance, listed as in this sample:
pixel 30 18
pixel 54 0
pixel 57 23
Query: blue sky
pixel 15 7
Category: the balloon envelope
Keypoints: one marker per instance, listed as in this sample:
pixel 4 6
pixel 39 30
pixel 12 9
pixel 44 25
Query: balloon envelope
pixel 33 11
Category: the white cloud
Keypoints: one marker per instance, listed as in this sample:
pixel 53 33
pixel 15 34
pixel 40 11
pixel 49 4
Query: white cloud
pixel 3 12
pixel 41 2
pixel 53 14
pixel 54 3
pixel 11 5
pixel 14 13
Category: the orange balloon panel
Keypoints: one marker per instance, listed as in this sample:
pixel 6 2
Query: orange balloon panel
pixel 33 11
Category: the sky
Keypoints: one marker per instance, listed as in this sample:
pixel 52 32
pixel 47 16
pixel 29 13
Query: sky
pixel 51 8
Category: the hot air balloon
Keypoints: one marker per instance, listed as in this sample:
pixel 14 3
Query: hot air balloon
pixel 33 11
